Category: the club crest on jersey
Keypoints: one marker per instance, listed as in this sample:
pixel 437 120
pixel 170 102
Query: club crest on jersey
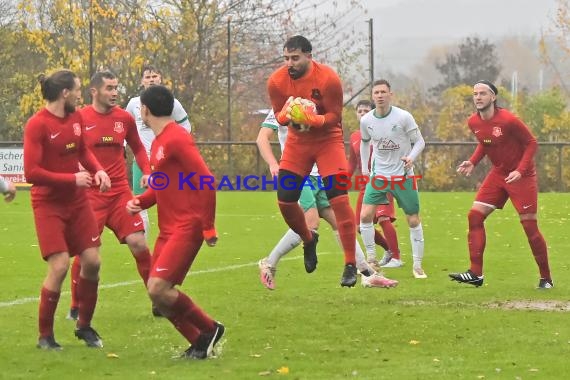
pixel 119 127
pixel 159 153
pixel 497 131
pixel 77 129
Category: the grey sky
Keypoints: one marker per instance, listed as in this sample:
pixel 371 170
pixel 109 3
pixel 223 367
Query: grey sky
pixel 404 30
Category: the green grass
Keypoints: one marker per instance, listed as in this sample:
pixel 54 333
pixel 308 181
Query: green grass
pixel 423 329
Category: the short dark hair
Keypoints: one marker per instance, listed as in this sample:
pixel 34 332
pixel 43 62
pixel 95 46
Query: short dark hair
pixel 298 43
pixel 364 103
pixel 380 82
pixel 53 85
pixel 97 78
pixel 150 68
pixel 159 100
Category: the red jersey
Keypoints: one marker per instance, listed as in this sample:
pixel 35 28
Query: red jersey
pixel 53 149
pixel 186 197
pixel 506 140
pixel 105 135
pixel 354 161
pixel 321 85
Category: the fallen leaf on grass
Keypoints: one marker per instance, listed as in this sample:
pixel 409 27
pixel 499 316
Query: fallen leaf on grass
pixel 112 356
pixel 436 360
pixel 255 356
pixel 414 342
pixel 283 371
pixel 264 373
pixel 533 370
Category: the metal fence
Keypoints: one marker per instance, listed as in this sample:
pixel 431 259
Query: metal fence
pixel 436 164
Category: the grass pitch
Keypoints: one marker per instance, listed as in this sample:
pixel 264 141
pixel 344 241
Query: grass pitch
pixel 309 327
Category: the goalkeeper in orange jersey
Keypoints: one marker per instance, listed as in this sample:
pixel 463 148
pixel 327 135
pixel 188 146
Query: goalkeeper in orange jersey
pixel 315 137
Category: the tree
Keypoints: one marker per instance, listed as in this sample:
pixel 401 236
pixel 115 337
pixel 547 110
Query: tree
pixel 474 60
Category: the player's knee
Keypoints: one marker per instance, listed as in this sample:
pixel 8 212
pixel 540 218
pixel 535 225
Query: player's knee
pixel 136 242
pixel 475 218
pixel 156 289
pixel 289 189
pixel 58 270
pixel 333 187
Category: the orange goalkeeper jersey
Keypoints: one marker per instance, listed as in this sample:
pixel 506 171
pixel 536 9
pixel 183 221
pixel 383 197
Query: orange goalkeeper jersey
pixel 321 85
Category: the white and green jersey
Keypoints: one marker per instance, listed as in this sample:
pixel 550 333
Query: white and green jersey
pixel 271 122
pixel 145 133
pixel 392 138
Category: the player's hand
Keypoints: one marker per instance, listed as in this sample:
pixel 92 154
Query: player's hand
pixel 274 169
pixel 513 176
pixel 144 181
pixel 210 237
pixel 465 168
pixel 408 162
pixel 284 116
pixel 304 113
pixel 134 206
pixel 102 180
pixel 10 194
pixel 83 179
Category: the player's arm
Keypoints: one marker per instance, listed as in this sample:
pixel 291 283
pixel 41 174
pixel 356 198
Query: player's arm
pixel 88 161
pixel 180 115
pixel 364 148
pixel 142 202
pixel 133 140
pixel 418 144
pixel 130 108
pixel 526 138
pixel 332 102
pixel 279 102
pixel 263 141
pixel 33 157
pixel 192 162
pixel 352 160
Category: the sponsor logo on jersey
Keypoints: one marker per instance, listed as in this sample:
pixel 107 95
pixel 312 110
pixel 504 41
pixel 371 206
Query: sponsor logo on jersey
pixel 107 139
pixel 497 131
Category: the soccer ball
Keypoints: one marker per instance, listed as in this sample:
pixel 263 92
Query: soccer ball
pixel 297 113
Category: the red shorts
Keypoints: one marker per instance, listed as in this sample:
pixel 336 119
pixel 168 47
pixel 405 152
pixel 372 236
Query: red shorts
pixel 110 210
pixel 68 227
pixel 381 210
pixel 174 254
pixel 329 155
pixel 523 193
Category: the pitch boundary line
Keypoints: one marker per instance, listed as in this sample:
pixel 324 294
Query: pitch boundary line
pixel 27 300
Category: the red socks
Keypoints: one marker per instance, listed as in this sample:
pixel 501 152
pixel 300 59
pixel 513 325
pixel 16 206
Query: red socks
pixel 87 296
pixel 538 247
pixel 189 319
pixel 295 218
pixel 143 260
pixel 476 239
pixel 391 238
pixel 48 305
pixel 346 228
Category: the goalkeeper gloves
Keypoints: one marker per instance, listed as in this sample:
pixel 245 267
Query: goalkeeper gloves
pixel 284 117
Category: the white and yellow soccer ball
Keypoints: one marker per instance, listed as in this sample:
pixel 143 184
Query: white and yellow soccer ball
pixel 297 115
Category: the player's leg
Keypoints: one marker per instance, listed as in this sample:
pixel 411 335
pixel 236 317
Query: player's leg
pixel 49 221
pixel 407 196
pixel 138 190
pixel 386 215
pixel 73 313
pixel 173 258
pixel 83 236
pixel 378 238
pixel 490 196
pixel 524 196
pixel 58 264
pixel 289 241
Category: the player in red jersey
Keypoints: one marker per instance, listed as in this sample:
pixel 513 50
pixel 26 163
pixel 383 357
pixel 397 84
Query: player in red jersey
pixel 186 213
pixel 385 214
pixel 106 128
pixel 322 143
pixel 511 147
pixel 65 224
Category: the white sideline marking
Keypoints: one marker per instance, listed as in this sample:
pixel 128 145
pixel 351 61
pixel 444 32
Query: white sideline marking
pixel 26 300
